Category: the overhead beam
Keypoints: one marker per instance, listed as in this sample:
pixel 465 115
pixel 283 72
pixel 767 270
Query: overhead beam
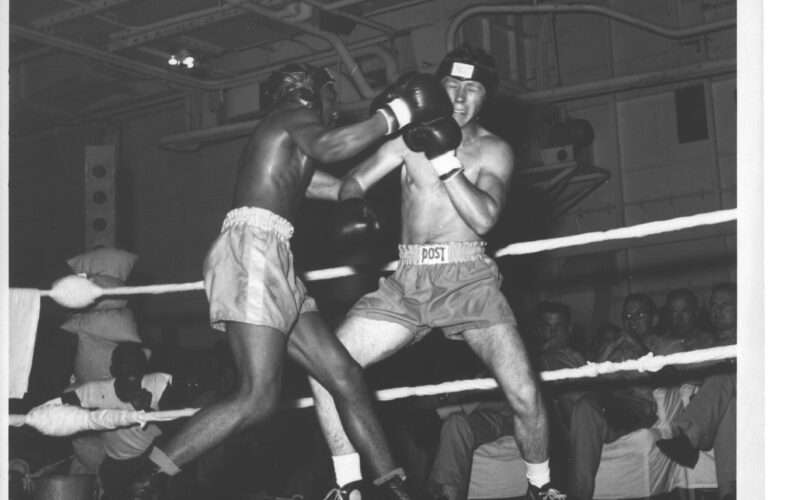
pixel 90 7
pixel 169 27
pixel 177 25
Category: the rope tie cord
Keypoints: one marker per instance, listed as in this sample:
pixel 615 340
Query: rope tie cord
pixel 69 291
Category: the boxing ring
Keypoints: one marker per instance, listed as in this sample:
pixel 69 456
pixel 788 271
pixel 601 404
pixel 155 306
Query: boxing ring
pixel 77 291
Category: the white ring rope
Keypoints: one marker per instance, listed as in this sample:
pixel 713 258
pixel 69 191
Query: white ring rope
pixel 637 231
pixel 647 363
pixel 522 248
pixel 60 420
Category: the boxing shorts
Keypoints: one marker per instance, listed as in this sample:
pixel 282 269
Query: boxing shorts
pixel 452 286
pixel 249 272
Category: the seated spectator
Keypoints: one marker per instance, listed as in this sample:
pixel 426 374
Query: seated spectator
pixel 613 410
pixel 681 320
pixel 709 420
pixel 131 388
pixel 604 335
pixel 464 431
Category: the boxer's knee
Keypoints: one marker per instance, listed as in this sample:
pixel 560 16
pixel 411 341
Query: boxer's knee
pixel 251 405
pixel 345 378
pixel 525 400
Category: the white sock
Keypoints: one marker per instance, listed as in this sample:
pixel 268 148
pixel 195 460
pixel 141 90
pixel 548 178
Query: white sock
pixel 347 468
pixel 538 474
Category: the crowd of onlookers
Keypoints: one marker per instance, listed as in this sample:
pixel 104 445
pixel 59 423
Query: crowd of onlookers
pixel 436 447
pixel 586 416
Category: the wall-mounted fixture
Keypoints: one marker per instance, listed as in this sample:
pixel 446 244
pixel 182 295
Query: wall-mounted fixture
pixel 182 59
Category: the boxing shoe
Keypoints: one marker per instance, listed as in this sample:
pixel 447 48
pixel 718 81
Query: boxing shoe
pixel 679 449
pixel 546 492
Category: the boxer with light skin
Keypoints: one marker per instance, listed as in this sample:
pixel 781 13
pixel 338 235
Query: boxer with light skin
pixel 253 292
pixel 455 175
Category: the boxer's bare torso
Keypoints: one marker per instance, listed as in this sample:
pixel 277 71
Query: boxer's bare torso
pixel 429 214
pixel 274 172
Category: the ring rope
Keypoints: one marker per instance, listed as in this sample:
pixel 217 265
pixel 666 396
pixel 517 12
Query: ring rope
pixel 637 231
pixel 522 248
pixel 647 363
pixel 60 420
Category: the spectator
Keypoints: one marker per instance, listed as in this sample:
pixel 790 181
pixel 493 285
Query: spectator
pixel 463 432
pixel 607 414
pixel 605 334
pixel 131 388
pixel 709 420
pixel 681 320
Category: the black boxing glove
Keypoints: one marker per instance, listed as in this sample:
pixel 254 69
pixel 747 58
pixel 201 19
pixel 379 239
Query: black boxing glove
pixel 438 140
pixel 354 217
pixel 391 92
pixel 414 98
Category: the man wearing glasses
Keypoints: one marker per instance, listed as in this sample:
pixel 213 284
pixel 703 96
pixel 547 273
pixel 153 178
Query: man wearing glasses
pixel 616 408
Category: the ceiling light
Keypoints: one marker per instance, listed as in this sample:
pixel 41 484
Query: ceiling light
pixel 182 59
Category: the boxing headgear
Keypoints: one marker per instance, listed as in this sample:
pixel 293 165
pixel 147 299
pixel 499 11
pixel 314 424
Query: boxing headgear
pixel 301 83
pixel 469 63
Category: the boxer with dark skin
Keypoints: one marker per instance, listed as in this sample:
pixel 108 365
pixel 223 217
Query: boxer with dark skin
pixel 254 294
pixel 455 176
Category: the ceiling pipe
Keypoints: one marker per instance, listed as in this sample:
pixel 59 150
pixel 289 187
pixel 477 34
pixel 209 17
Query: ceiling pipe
pixel 137 35
pixel 142 69
pixel 675 33
pixel 353 70
pixel 632 82
pixel 82 10
pixel 389 62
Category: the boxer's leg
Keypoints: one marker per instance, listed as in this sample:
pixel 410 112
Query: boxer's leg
pixel 315 347
pixel 368 341
pixel 258 354
pixel 501 349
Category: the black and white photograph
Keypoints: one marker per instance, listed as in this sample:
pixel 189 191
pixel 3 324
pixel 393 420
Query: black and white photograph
pixel 385 250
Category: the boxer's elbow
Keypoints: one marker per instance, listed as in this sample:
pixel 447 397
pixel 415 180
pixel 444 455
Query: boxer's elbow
pixel 482 224
pixel 484 220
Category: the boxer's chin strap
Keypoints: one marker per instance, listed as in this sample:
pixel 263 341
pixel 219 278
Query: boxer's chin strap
pixel 161 459
pixel 398 472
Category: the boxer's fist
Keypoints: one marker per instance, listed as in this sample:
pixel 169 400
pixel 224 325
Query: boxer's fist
pixel 437 139
pixel 414 98
pixel 354 218
pixel 391 92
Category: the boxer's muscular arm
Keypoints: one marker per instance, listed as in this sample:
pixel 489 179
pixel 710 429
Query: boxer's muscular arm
pixel 366 174
pixel 330 145
pixel 479 204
